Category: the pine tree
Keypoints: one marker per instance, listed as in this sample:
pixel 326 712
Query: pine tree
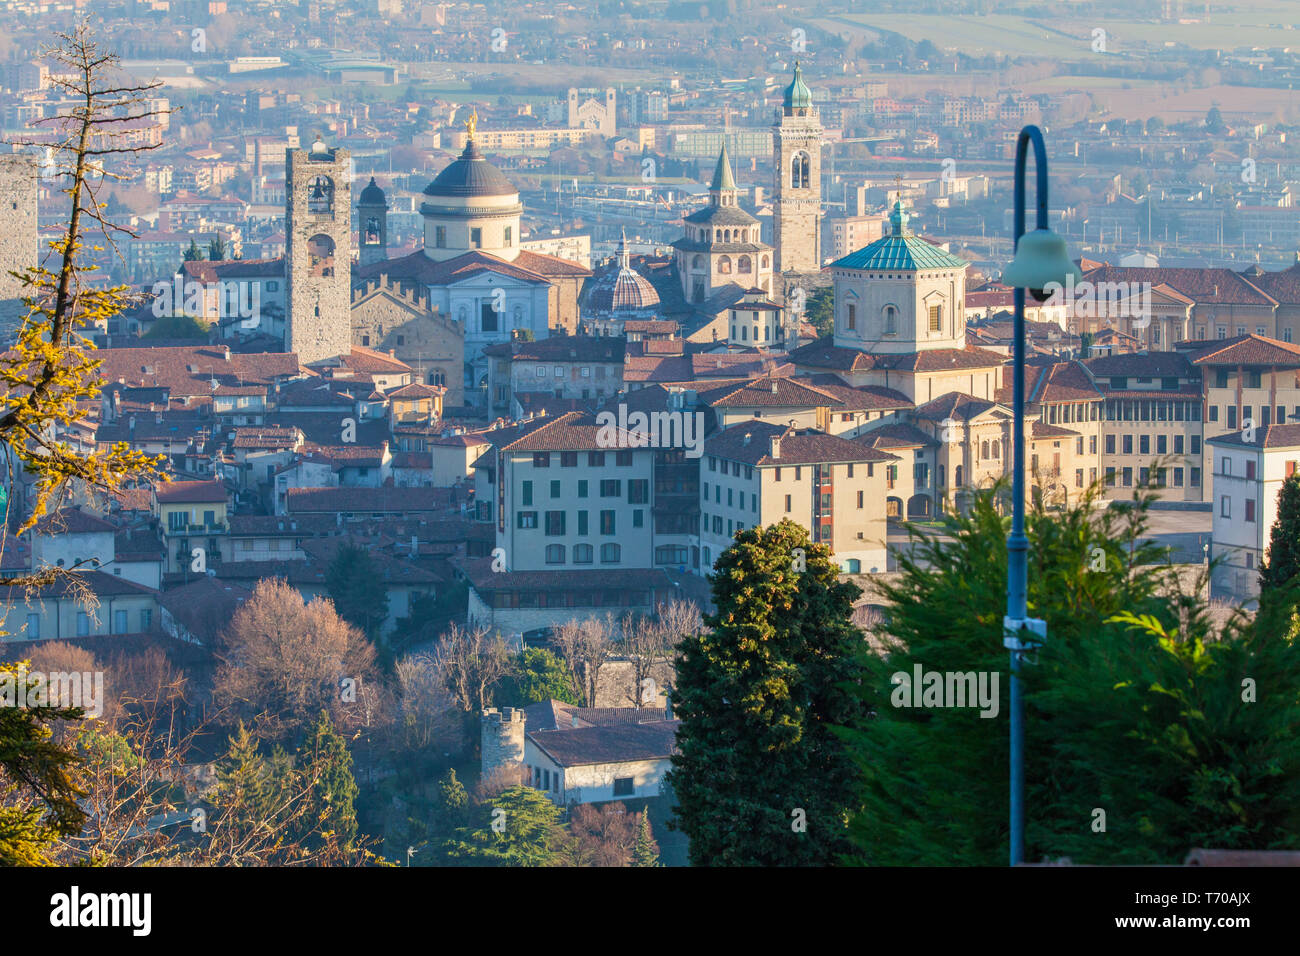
pixel 645 852
pixel 356 587
pixel 761 779
pixel 520 827
pixel 325 761
pixel 193 253
pixel 244 787
pixel 1281 566
pixel 36 768
pixel 1142 741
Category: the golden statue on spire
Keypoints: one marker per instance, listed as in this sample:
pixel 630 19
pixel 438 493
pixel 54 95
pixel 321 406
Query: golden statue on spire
pixel 471 124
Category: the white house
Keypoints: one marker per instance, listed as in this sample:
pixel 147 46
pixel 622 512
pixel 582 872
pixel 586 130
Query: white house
pixel 1247 478
pixel 582 754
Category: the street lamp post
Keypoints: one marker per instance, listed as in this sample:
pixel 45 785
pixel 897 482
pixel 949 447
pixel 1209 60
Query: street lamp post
pixel 1039 262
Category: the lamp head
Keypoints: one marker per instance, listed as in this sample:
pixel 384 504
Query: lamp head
pixel 1040 260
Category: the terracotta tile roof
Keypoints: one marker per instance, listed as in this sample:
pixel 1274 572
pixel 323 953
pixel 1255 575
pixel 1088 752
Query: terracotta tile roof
pixel 417 267
pixel 361 359
pixel 190 370
pixel 205 606
pixel 564 348
pixel 1139 365
pixel 266 437
pixel 572 431
pixel 1282 286
pixel 66 585
pixel 417 390
pixel 1246 350
pixel 750 443
pixel 862 397
pixel 550 266
pixel 657 368
pixel 733 365
pixel 1041 430
pixel 230 269
pixel 617 743
pixel 1266 436
pixel 1218 286
pixel 370 500
pixel 310 393
pixel 958 406
pixel 191 492
pixel 825 354
pixel 72 521
pixel 766 392
pixel 898 435
pixel 1051 382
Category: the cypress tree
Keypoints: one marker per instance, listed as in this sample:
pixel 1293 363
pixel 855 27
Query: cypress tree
pixel 761 779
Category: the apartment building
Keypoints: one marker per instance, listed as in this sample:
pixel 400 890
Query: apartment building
pixel 758 473
pixel 1247 478
pixel 192 516
pixel 1248 382
pixel 565 499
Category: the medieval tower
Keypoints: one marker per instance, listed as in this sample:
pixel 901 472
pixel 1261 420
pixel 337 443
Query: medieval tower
pixel 797 197
pixel 502 740
pixel 372 217
pixel 318 251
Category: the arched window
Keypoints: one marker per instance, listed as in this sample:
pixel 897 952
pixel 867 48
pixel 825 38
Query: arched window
pixel 555 554
pixel 320 255
pixel 956 474
pixel 697 262
pixel 766 262
pixel 744 333
pixel 610 553
pixel 984 450
pixel 372 230
pixel 799 170
pixel 582 554
pixel 724 265
pixel 743 265
pixel 997 451
pixel 891 320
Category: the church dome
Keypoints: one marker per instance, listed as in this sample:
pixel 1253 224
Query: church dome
pixel 622 289
pixel 797 94
pixel 469 176
pixel 372 195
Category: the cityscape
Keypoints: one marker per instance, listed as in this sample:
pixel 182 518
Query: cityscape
pixel 650 434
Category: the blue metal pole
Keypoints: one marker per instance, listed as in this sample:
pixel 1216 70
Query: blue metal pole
pixel 1017 542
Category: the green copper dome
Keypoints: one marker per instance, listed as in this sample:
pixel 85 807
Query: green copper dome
pixel 797 94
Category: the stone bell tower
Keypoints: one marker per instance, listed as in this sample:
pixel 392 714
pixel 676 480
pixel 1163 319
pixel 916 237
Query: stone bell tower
pixel 372 218
pixel 318 251
pixel 797 196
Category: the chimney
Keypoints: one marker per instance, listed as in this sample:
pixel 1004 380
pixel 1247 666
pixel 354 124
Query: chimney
pixel 131 425
pixel 747 437
pixel 774 446
pixel 415 545
pixel 773 386
pixel 574 719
